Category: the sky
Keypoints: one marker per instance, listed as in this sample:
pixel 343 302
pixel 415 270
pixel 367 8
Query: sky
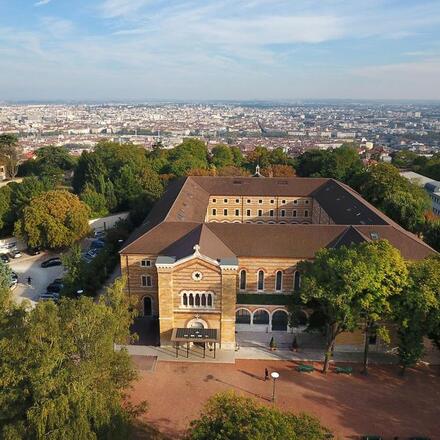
pixel 219 49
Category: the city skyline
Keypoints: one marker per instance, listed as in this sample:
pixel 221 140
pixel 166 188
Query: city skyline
pixel 117 50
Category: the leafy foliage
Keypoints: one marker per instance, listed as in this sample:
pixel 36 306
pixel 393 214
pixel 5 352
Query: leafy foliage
pixel 417 311
pixel 403 201
pixel 10 153
pixel 352 286
pixel 341 163
pixel 228 416
pixel 54 219
pixel 60 376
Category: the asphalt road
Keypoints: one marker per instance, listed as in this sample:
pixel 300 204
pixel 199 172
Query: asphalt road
pixel 28 266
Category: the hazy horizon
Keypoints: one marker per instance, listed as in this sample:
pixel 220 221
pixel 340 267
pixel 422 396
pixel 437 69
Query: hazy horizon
pixel 224 50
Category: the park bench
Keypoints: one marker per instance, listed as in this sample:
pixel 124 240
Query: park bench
pixel 302 368
pixel 344 370
pixel 371 437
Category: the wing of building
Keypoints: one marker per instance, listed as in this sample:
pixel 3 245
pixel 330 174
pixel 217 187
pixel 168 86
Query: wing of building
pixel 221 252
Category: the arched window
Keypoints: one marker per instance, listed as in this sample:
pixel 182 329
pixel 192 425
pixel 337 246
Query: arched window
pixel 296 280
pixel 197 300
pixel 185 300
pixel 279 280
pixel 242 316
pixel 203 300
pixel 191 300
pixel 147 306
pixel 260 283
pixel 209 300
pixel 261 317
pixel 242 280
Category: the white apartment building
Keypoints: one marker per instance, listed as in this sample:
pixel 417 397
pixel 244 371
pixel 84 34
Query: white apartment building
pixel 432 187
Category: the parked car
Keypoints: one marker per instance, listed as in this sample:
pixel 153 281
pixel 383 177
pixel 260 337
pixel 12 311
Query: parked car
pixel 14 281
pixel 46 296
pixel 100 234
pixel 54 288
pixel 97 244
pixel 90 255
pixel 34 251
pixel 52 262
pixel 5 258
pixel 15 254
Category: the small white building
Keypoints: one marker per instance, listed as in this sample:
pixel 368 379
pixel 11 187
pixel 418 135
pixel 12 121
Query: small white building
pixel 432 187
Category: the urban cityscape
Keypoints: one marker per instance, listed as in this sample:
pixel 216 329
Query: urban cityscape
pixel 219 220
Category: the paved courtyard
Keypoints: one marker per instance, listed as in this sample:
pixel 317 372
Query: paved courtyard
pixel 383 403
pixel 28 266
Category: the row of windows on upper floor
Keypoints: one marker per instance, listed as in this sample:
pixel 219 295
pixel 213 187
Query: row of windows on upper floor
pixel 147 281
pixel 279 280
pixel 260 201
pixel 271 213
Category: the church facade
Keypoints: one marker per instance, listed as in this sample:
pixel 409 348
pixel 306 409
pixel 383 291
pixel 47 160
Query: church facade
pixel 221 252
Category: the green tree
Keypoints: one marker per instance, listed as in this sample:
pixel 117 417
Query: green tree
pixel 403 201
pixel 238 156
pixel 258 156
pixel 6 214
pixel 10 153
pixel 190 154
pixel 222 156
pixel 227 416
pixel 90 169
pixel 60 374
pixel 352 287
pixel 341 163
pixel 54 219
pixel 5 282
pixel 404 159
pixel 95 201
pixel 417 311
pixel 432 234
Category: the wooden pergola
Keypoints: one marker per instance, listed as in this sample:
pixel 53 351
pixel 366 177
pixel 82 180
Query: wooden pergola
pixel 197 335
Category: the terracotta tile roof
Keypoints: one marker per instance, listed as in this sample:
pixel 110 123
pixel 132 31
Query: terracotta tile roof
pixel 176 223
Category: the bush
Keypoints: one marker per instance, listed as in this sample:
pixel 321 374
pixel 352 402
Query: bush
pixel 227 416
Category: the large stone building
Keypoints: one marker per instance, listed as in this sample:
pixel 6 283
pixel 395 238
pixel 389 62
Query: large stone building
pixel 221 252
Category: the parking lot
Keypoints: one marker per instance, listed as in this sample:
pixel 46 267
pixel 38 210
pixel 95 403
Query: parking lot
pixel 30 266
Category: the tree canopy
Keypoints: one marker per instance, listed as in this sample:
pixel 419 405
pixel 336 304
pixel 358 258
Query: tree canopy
pixel 352 287
pixel 403 201
pixel 342 163
pixel 229 416
pixel 417 311
pixel 10 153
pixel 54 219
pixel 60 375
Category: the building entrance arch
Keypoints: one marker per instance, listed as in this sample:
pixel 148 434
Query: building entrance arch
pixel 279 321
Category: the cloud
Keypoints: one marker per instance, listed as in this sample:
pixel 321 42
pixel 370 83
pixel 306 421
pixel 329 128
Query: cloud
pixel 42 2
pixel 120 8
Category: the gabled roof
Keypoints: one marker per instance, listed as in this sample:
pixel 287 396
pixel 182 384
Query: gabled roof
pixel 177 222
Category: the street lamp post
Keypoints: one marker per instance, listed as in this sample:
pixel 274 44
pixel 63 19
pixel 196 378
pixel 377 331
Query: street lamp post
pixel 274 375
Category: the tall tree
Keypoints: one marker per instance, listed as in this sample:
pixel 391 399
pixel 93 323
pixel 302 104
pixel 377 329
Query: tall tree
pixel 10 153
pixel 417 312
pixel 60 374
pixel 352 288
pixel 222 156
pixel 54 219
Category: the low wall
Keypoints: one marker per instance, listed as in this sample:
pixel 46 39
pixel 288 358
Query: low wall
pixel 104 223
